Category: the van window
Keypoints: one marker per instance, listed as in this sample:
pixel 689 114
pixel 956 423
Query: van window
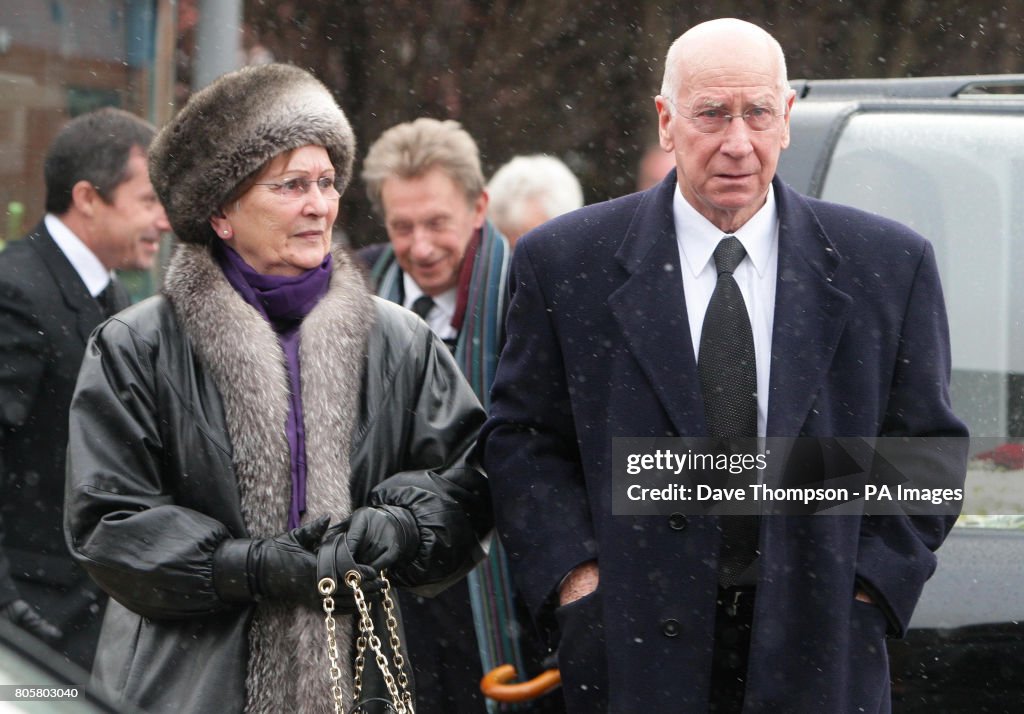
pixel 949 177
pixel 946 178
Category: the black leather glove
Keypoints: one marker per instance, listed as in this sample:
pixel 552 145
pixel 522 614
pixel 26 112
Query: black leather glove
pixel 383 536
pixel 281 568
pixel 24 616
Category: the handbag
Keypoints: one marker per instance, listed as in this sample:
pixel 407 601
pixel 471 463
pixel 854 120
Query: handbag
pixel 397 685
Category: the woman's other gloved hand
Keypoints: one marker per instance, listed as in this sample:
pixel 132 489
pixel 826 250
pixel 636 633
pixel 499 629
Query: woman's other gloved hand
pixel 282 568
pixel 383 537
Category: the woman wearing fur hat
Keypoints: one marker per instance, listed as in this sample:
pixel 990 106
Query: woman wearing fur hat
pixel 218 427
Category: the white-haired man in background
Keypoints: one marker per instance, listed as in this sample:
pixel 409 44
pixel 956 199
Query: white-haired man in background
pixel 530 190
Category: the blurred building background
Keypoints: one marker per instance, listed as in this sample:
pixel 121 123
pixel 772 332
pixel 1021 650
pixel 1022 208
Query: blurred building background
pixel 563 77
pixel 59 59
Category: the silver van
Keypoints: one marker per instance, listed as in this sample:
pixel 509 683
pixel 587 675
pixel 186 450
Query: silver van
pixel 945 155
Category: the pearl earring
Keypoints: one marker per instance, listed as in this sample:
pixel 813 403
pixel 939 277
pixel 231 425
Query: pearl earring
pixel 226 231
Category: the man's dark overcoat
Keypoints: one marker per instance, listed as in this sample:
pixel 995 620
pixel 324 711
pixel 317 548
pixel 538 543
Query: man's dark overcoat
pixel 599 347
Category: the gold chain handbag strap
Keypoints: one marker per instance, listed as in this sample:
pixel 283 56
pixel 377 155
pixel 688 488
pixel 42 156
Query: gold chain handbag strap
pixel 396 643
pixel 401 696
pixel 327 586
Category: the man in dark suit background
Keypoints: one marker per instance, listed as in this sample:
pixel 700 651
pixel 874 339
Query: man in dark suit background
pixel 448 263
pixel 56 285
pixel 847 336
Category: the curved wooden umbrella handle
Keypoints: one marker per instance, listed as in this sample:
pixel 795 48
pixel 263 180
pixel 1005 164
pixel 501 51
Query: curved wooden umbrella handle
pixel 495 684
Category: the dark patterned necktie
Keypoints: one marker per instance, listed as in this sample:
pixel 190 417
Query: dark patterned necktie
pixel 728 378
pixel 423 305
pixel 107 300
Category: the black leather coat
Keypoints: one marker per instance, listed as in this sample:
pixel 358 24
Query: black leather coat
pixel 152 490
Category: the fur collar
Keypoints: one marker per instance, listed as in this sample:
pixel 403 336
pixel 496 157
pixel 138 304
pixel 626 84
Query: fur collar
pixel 287 648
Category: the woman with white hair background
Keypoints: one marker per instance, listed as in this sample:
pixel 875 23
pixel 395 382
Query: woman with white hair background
pixel 530 190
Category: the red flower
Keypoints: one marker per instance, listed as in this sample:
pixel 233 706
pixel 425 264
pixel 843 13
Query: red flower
pixel 1005 456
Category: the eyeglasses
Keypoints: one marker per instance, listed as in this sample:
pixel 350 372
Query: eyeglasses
pixel 298 187
pixel 712 121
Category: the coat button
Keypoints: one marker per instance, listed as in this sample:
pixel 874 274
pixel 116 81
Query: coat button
pixel 677 522
pixel 670 628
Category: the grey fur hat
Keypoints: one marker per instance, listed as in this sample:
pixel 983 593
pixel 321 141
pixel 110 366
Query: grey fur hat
pixel 230 129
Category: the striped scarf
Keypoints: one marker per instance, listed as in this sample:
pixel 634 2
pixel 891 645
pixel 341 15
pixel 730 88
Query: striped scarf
pixel 479 319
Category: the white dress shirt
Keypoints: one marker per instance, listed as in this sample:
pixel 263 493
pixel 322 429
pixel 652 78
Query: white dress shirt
pixel 697 238
pixel 440 316
pixel 83 260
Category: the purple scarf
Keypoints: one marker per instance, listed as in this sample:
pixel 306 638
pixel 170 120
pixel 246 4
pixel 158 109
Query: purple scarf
pixel 283 302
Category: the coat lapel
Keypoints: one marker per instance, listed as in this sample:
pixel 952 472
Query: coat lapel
pixel 72 290
pixel 810 314
pixel 651 312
